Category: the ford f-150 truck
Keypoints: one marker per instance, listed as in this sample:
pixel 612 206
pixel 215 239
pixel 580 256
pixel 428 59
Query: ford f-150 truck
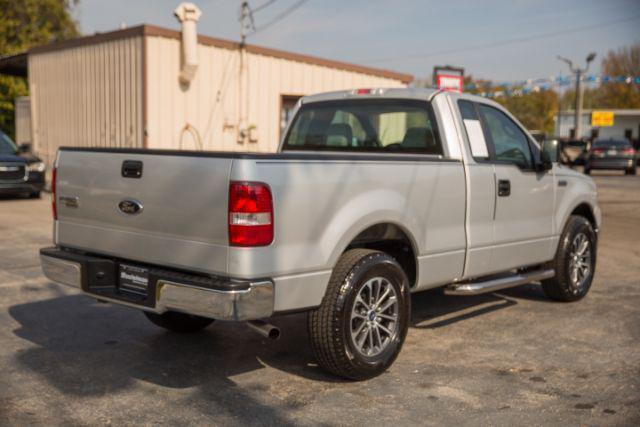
pixel 374 194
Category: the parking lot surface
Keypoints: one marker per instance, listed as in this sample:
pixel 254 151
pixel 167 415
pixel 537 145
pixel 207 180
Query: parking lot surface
pixel 508 358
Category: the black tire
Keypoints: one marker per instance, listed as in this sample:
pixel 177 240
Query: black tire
pixel 35 195
pixel 587 171
pixel 330 324
pixel 561 287
pixel 178 322
pixel 631 171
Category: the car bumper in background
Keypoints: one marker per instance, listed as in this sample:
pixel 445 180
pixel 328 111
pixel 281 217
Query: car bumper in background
pixel 21 188
pixel 222 299
pixel 611 163
pixel 34 183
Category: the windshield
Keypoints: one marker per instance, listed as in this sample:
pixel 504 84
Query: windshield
pixel 612 143
pixel 6 144
pixel 365 125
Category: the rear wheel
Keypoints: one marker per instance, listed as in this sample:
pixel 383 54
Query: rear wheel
pixel 178 322
pixel 575 262
pixel 631 171
pixel 360 327
pixel 587 171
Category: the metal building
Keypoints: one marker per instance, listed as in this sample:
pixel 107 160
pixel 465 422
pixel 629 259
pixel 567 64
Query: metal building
pixel 622 124
pixel 126 88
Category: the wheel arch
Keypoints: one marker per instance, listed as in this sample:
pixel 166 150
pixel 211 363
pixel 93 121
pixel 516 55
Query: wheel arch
pixel 585 210
pixel 391 238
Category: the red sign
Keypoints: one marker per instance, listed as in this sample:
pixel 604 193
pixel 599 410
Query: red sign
pixel 449 82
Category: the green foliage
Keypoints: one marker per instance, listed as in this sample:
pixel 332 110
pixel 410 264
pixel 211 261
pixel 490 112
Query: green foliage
pixel 536 110
pixel 623 62
pixel 10 88
pixel 24 24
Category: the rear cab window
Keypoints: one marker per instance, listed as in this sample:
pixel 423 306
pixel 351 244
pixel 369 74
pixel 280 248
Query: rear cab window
pixel 366 125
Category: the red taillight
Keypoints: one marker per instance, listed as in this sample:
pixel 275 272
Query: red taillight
pixel 250 214
pixel 597 150
pixel 54 180
pixel 629 151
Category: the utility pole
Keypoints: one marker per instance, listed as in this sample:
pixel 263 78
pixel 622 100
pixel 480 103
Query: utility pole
pixel 246 21
pixel 246 24
pixel 578 106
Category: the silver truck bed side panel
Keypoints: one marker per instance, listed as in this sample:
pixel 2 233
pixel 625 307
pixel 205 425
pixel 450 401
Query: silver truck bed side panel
pixel 321 205
pixel 183 223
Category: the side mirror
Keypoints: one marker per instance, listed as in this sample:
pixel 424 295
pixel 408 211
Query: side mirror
pixel 24 148
pixel 545 162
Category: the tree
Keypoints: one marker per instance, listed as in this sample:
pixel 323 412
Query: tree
pixel 535 110
pixel 623 62
pixel 24 24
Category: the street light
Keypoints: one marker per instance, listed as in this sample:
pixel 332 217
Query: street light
pixel 578 107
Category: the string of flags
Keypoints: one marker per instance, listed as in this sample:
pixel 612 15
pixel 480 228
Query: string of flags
pixel 524 87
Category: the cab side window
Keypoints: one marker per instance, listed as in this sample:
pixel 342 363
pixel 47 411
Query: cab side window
pixel 510 143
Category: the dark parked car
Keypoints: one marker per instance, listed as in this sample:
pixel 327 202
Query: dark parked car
pixel 21 172
pixel 613 154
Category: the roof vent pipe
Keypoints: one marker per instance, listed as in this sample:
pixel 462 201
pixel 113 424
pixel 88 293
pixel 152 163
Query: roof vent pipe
pixel 188 14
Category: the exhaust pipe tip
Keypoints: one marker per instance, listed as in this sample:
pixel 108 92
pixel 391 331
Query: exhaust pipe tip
pixel 265 329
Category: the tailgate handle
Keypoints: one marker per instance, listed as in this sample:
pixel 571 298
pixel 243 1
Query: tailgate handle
pixel 132 169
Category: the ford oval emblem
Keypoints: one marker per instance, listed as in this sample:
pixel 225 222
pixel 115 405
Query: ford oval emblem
pixel 130 207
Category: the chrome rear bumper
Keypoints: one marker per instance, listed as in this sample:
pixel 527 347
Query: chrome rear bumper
pixel 252 301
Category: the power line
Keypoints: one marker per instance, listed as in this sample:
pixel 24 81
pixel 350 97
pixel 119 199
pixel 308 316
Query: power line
pixel 263 6
pixel 280 16
pixel 504 42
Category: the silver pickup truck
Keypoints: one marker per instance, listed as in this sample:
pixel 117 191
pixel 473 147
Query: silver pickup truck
pixel 374 194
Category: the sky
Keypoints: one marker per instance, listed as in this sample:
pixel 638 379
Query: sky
pixel 496 40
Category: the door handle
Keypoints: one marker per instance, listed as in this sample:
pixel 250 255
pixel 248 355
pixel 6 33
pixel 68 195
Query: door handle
pixel 504 187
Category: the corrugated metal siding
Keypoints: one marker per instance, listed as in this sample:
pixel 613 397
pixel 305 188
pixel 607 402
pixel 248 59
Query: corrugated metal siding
pixel 209 108
pixel 23 120
pixel 87 95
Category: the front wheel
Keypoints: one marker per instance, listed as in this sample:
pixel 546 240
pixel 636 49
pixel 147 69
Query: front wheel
pixel 178 322
pixel 358 330
pixel 631 171
pixel 575 262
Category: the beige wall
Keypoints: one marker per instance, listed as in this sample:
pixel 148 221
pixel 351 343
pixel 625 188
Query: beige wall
pixel 23 120
pixel 211 107
pixel 87 95
pixel 94 92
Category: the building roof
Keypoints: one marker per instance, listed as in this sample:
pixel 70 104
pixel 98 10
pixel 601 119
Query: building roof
pixel 14 65
pixel 152 30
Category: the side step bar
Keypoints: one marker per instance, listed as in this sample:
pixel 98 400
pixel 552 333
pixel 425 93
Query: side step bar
pixel 492 285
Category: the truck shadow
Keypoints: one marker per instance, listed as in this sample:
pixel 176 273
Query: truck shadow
pixel 85 348
pixel 433 309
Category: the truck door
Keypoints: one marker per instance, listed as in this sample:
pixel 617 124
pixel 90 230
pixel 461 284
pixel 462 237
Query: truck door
pixel 480 195
pixel 524 198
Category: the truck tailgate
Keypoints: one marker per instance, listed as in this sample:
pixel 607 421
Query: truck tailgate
pixel 182 222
